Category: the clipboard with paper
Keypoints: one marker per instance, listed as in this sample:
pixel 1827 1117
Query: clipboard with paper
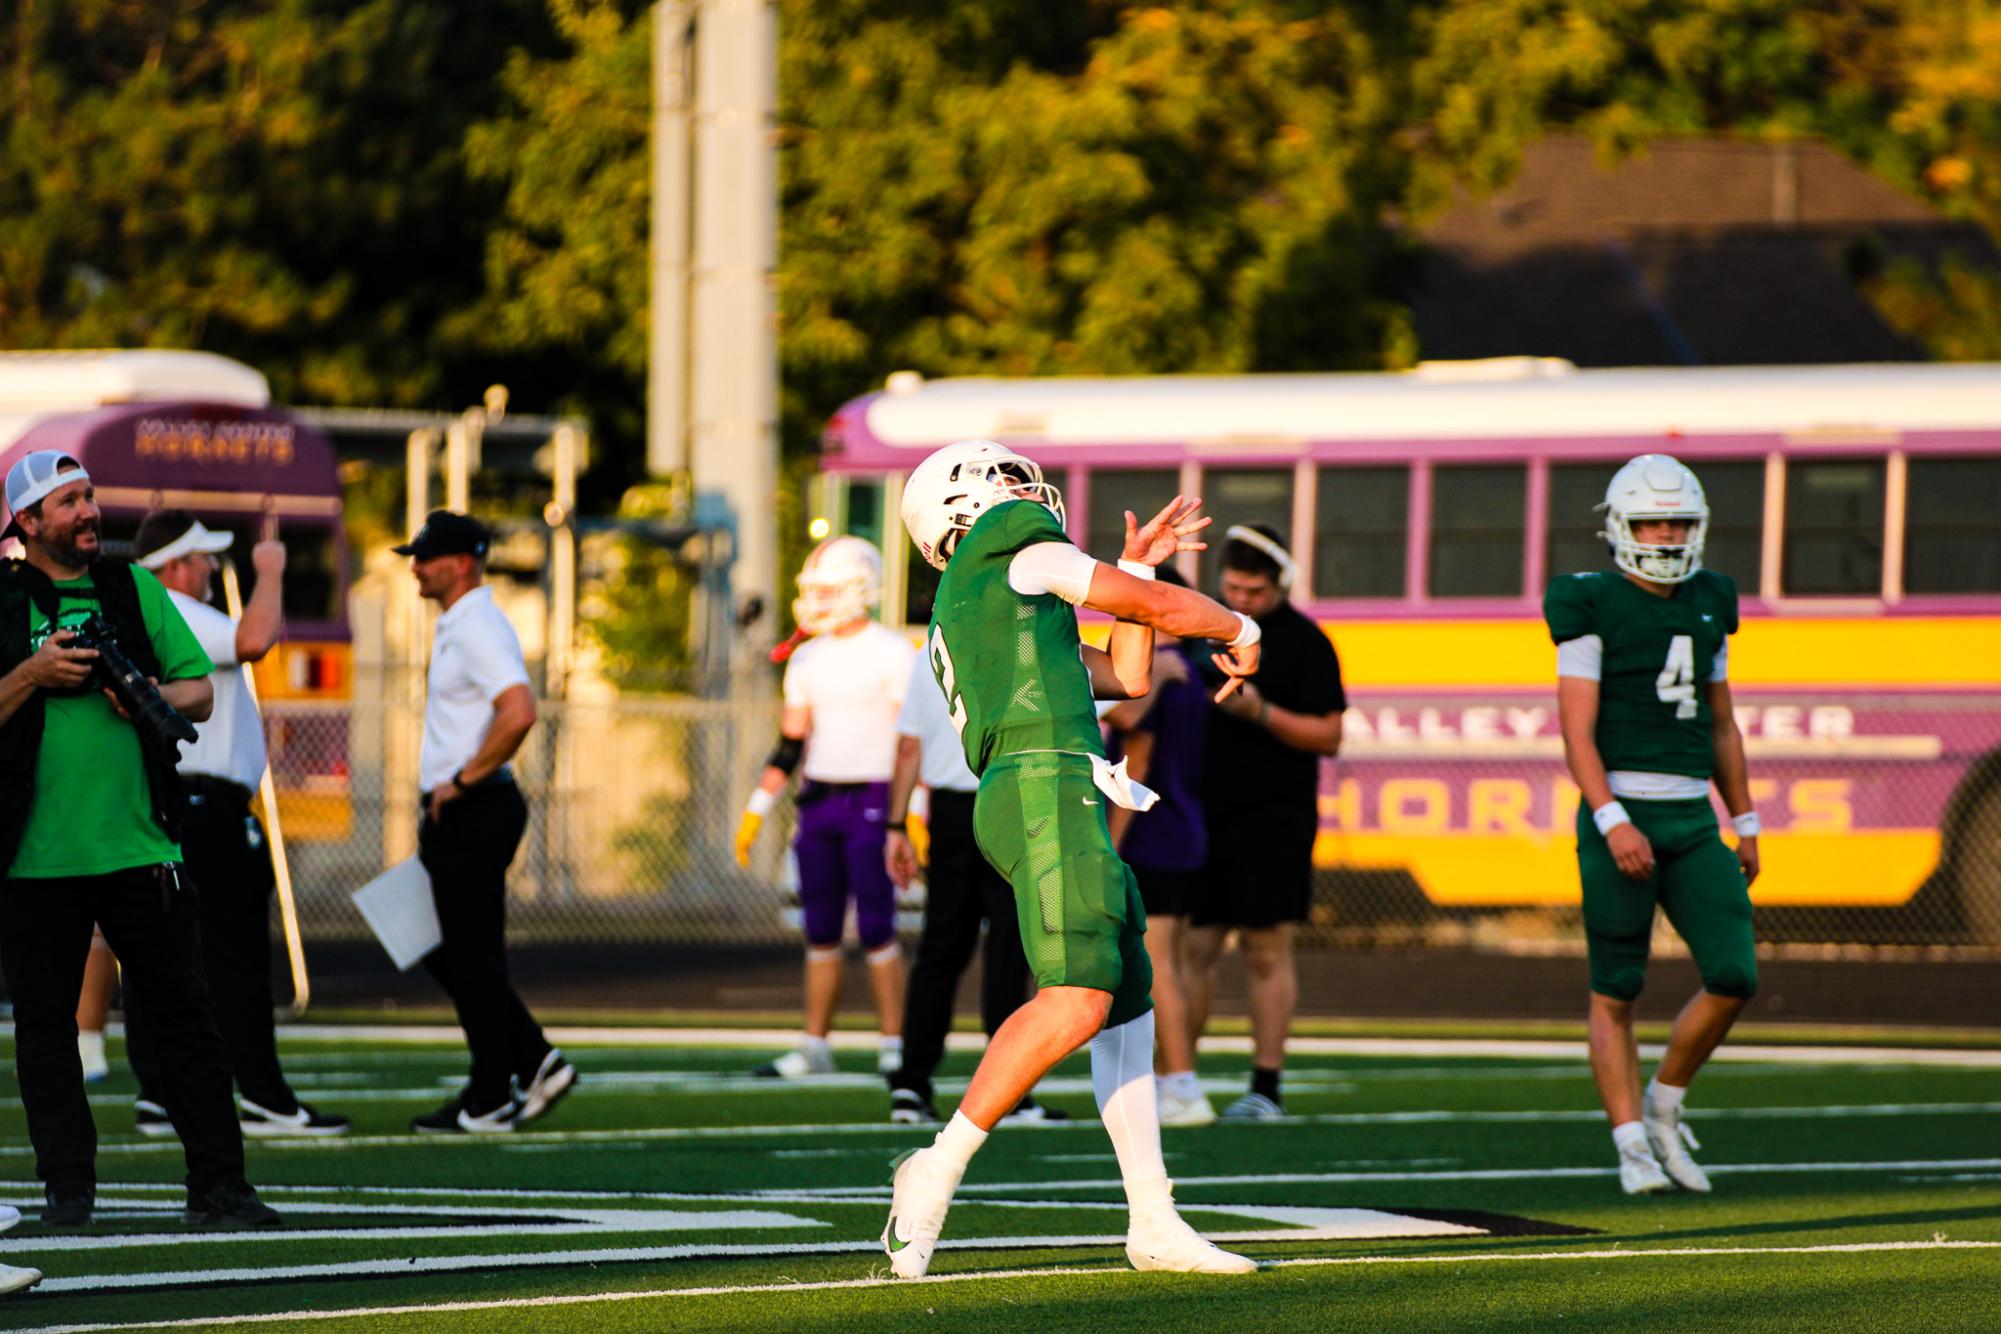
pixel 398 907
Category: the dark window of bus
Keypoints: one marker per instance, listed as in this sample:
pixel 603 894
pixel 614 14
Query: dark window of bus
pixel 864 519
pixel 1952 530
pixel 1115 492
pixel 920 587
pixel 312 568
pixel 1477 518
pixel 1834 527
pixel 1242 495
pixel 1361 519
pixel 1736 495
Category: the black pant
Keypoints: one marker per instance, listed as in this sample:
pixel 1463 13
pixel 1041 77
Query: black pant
pixel 224 848
pixel 44 938
pixel 467 851
pixel 962 890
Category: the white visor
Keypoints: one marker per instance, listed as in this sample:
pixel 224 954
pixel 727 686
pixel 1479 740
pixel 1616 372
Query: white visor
pixel 196 538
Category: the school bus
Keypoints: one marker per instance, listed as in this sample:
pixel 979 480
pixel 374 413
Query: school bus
pixel 1857 507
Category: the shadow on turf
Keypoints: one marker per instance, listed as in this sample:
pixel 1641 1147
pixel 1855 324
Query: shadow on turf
pixel 1925 1217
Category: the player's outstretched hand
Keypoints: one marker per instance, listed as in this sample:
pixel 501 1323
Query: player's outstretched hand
pixel 1166 532
pixel 1235 663
pixel 1631 850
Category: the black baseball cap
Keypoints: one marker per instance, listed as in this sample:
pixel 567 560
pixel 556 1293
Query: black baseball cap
pixel 447 534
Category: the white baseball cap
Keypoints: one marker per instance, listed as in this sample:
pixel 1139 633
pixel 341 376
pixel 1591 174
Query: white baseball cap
pixel 33 476
pixel 193 537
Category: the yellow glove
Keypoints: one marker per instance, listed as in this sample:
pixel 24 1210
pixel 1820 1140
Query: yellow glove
pixel 919 835
pixel 746 835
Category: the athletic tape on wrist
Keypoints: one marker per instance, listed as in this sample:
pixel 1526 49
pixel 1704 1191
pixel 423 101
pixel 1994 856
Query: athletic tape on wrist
pixel 1247 633
pixel 1610 816
pixel 1746 825
pixel 761 802
pixel 1137 569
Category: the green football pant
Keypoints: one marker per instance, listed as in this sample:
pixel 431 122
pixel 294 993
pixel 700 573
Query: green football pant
pixel 1696 881
pixel 1041 821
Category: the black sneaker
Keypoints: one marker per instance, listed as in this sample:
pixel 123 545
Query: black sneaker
pixel 908 1107
pixel 1030 1112
pixel 68 1206
pixel 234 1205
pixel 303 1119
pixel 456 1117
pixel 150 1118
pixel 551 1081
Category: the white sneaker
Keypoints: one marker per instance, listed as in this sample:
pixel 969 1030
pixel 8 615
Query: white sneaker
pixel 500 1121
pixel 10 1217
pixel 1165 1243
pixel 1672 1139
pixel 16 1279
pixel 553 1078
pixel 801 1064
pixel 1640 1174
pixel 1253 1107
pixel 1176 1111
pixel 924 1183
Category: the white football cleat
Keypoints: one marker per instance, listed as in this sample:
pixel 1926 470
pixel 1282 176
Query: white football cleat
pixel 1163 1242
pixel 924 1183
pixel 16 1279
pixel 1672 1139
pixel 1640 1174
pixel 801 1064
pixel 1178 1111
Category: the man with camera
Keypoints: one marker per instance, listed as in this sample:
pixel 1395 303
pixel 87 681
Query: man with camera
pixel 223 842
pixel 90 813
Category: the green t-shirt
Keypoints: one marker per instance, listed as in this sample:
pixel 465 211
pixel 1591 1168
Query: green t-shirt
pixel 1011 667
pixel 92 811
pixel 1655 667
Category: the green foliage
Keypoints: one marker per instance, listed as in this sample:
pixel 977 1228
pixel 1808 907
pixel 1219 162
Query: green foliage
pixel 638 615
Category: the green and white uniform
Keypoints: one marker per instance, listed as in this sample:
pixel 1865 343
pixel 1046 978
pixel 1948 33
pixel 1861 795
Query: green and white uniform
pixel 1654 658
pixel 1011 666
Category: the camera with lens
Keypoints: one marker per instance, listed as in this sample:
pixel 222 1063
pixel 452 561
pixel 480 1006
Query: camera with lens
pixel 159 723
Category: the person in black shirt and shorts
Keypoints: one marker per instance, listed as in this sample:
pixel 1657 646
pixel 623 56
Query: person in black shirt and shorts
pixel 1261 798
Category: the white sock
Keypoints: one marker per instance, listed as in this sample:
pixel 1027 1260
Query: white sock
pixel 959 1140
pixel 891 1046
pixel 1122 1077
pixel 813 1046
pixel 90 1046
pixel 1631 1137
pixel 1666 1097
pixel 1182 1084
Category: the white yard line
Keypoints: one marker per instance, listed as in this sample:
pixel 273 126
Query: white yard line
pixel 1017 1275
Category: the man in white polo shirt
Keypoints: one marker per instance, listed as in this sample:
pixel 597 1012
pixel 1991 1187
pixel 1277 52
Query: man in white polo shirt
pixel 221 839
pixel 477 709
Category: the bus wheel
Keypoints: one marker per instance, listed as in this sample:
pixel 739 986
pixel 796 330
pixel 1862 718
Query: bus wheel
pixel 1971 852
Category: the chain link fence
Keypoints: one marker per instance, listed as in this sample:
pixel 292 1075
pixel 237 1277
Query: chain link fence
pixel 1446 822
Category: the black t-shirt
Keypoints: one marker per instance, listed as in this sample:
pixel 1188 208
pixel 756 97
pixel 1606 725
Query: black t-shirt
pixel 1248 766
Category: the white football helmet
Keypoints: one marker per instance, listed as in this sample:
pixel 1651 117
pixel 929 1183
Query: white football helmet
pixel 1655 486
pixel 948 492
pixel 840 581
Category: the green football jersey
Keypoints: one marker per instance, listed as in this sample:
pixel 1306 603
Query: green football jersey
pixel 1011 666
pixel 1659 654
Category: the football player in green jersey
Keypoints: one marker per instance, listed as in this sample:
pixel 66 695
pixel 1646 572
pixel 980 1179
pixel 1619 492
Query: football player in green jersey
pixel 1020 686
pixel 1644 701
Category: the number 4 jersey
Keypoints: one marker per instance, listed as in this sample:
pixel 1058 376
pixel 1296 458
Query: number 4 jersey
pixel 1656 657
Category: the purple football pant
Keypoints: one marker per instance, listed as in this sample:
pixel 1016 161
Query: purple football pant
pixel 839 847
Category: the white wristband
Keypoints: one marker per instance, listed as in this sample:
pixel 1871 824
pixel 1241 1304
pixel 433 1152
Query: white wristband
pixel 1610 816
pixel 1746 825
pixel 1248 634
pixel 760 802
pixel 1137 569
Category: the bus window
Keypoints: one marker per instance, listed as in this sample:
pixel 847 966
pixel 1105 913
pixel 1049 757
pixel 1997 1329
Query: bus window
pixel 1834 527
pixel 1736 495
pixel 1477 518
pixel 1952 531
pixel 1144 492
pixel 864 517
pixel 920 586
pixel 1361 519
pixel 1243 495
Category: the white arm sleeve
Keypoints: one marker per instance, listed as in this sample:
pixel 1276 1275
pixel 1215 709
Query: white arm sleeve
pixel 1580 657
pixel 1719 669
pixel 1052 567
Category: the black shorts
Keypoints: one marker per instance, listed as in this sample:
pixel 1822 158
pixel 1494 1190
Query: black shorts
pixel 1165 892
pixel 1260 869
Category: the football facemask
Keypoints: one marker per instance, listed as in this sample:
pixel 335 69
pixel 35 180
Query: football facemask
pixel 840 582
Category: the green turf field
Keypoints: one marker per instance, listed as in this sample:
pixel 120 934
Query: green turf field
pixel 1412 1187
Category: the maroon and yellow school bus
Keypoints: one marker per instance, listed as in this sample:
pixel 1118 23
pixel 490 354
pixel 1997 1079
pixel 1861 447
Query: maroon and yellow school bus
pixel 1856 507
